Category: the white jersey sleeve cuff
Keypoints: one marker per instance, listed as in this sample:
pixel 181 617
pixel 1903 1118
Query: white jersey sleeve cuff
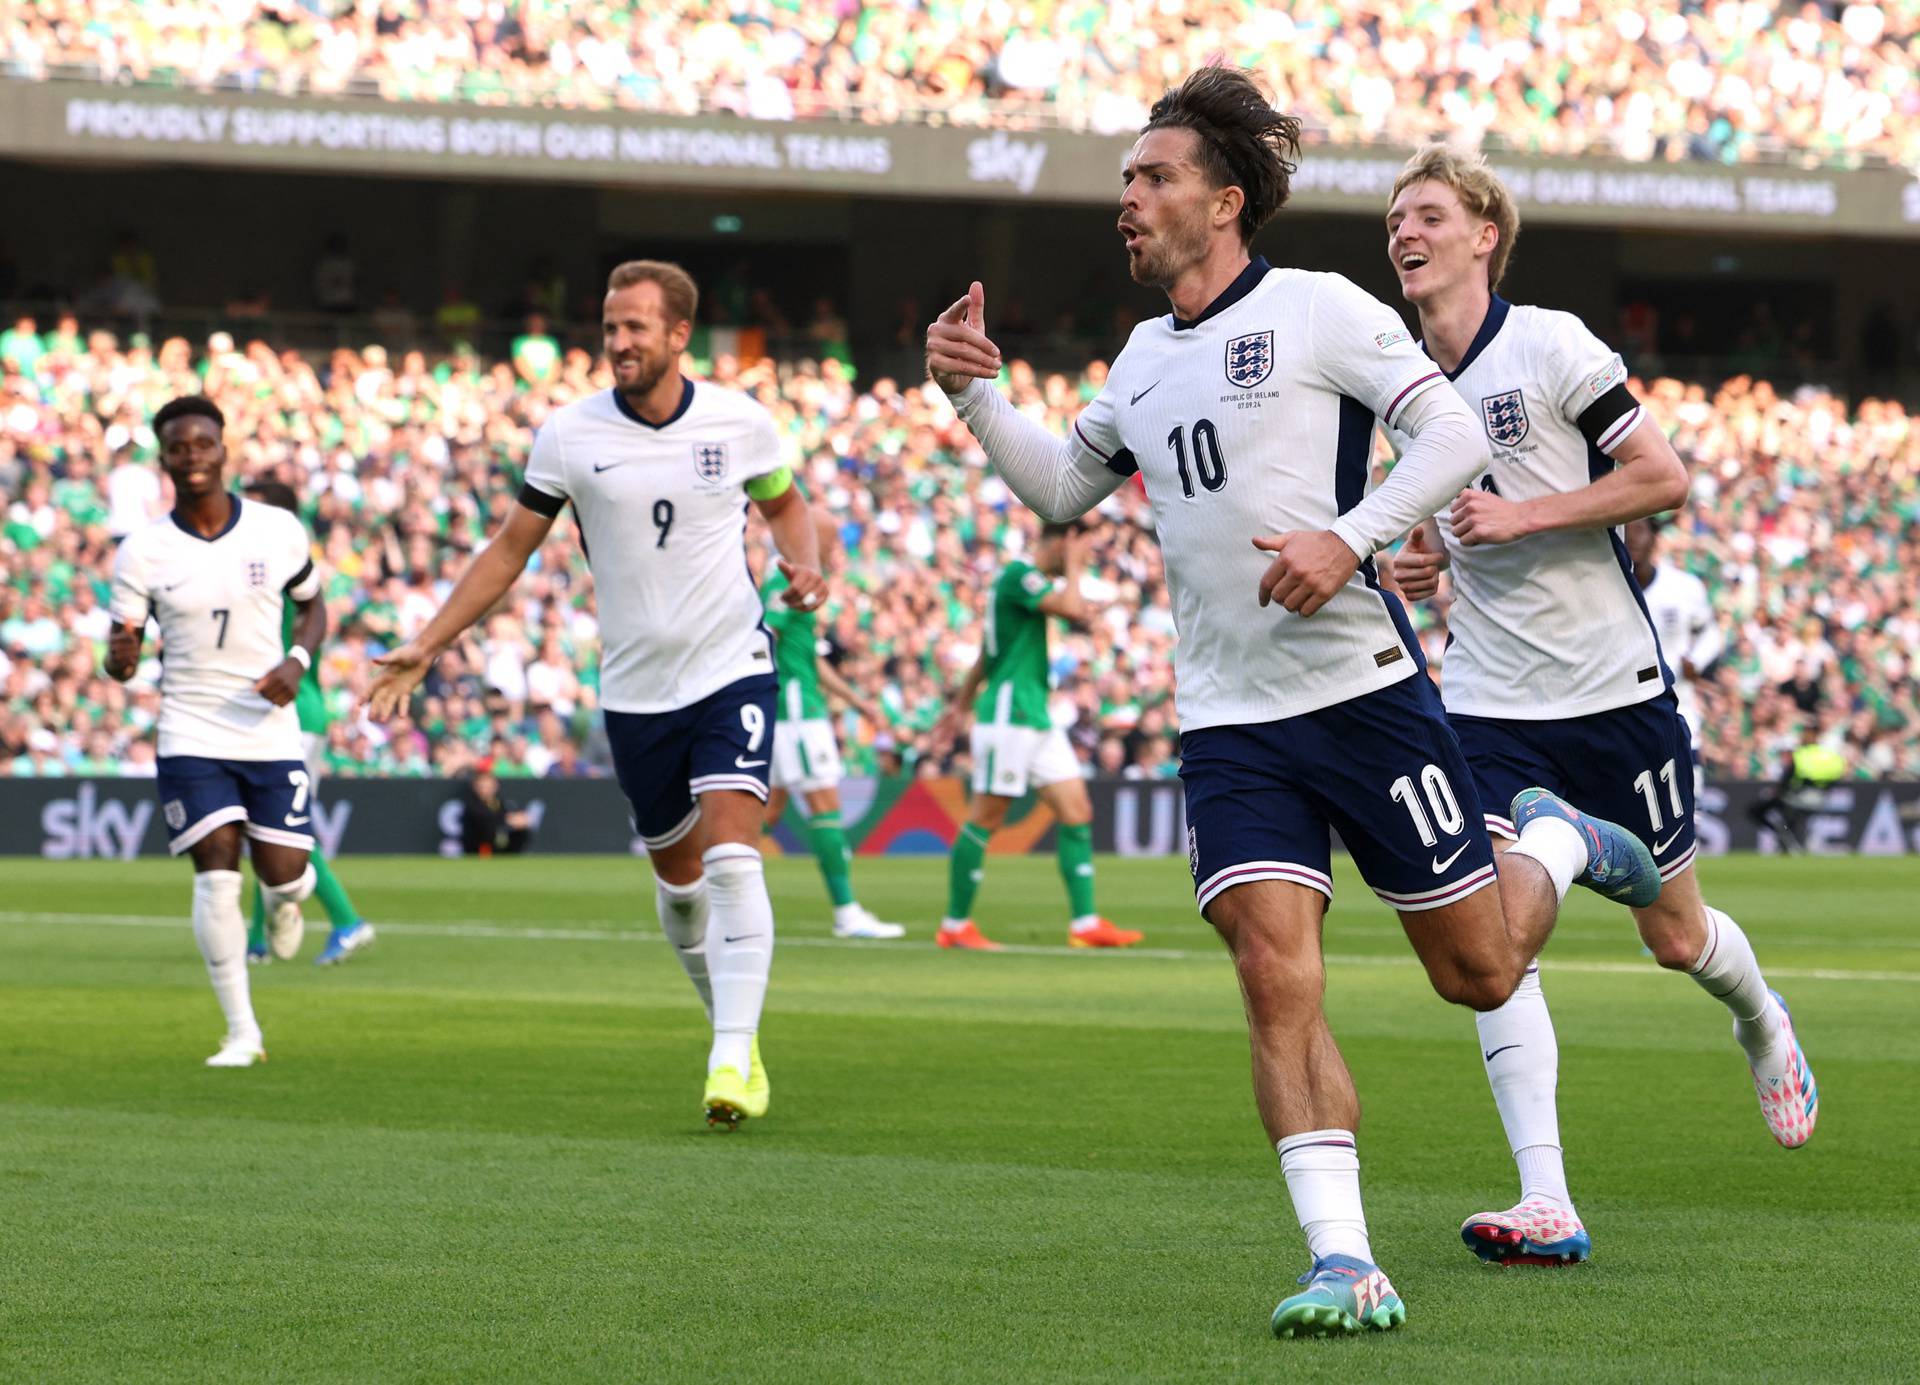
pixel 1397 409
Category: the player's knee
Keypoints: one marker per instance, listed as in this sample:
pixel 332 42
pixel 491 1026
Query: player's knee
pixel 1673 948
pixel 1281 984
pixel 1070 803
pixel 1675 937
pixel 989 811
pixel 1476 987
pixel 679 863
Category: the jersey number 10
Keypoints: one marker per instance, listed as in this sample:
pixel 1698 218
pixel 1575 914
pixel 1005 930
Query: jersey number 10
pixel 1207 461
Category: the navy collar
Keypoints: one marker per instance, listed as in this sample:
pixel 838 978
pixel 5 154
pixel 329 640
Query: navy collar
pixel 686 402
pixel 233 518
pixel 1244 283
pixel 1489 329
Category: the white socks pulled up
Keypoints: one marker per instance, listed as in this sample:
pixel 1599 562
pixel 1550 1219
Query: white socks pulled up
pixel 221 931
pixel 1322 1169
pixel 684 914
pixel 739 951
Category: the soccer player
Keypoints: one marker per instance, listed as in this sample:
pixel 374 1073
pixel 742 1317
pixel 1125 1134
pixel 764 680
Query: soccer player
pixel 1248 412
pixel 660 471
pixel 1682 617
pixel 1554 675
pixel 216 574
pixel 1015 746
pixel 806 755
pixel 350 932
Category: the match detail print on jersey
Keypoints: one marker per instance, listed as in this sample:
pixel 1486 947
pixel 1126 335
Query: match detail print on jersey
pixel 1552 625
pixel 1198 409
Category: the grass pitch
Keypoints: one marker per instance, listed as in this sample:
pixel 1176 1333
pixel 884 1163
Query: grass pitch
pixel 477 1152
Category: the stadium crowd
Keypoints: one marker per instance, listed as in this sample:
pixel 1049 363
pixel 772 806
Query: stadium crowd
pixel 1802 522
pixel 1705 79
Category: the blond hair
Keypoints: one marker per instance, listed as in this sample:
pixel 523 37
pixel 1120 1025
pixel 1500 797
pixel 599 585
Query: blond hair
pixel 677 289
pixel 1480 191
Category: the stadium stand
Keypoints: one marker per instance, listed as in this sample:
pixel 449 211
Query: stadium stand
pixel 1724 81
pixel 1802 523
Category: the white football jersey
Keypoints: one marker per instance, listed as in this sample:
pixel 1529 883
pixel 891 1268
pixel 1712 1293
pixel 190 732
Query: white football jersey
pixel 1256 419
pixel 1689 633
pixel 1552 625
pixel 663 519
pixel 219 603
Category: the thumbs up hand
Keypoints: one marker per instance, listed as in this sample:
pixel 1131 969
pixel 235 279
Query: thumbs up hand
pixel 1416 567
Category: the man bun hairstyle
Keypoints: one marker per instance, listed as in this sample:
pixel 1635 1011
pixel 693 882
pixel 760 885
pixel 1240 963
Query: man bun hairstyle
pixel 188 406
pixel 1480 191
pixel 1243 141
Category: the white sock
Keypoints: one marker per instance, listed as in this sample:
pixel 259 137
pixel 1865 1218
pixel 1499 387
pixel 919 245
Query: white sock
pixel 1322 1169
pixel 684 912
pixel 221 931
pixel 1727 970
pixel 844 914
pixel 1522 1058
pixel 1543 1175
pixel 295 891
pixel 953 925
pixel 1556 845
pixel 1084 922
pixel 739 950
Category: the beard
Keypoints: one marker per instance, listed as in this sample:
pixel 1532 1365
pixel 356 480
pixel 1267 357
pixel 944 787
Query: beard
pixel 1165 256
pixel 651 369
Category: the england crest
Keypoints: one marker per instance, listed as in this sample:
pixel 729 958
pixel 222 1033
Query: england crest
pixel 1249 359
pixel 1506 417
pixel 710 461
pixel 256 573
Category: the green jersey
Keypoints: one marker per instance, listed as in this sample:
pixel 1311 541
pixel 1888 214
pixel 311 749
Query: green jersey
pixel 1014 689
pixel 795 653
pixel 308 702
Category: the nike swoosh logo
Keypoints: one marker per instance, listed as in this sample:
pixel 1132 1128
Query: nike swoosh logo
pixel 1659 847
pixel 293 821
pixel 597 468
pixel 1144 393
pixel 1489 1057
pixel 739 763
pixel 744 936
pixel 1439 865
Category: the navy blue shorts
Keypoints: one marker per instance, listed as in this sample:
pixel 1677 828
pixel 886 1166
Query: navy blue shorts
pixel 664 760
pixel 273 797
pixel 1383 770
pixel 1633 766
